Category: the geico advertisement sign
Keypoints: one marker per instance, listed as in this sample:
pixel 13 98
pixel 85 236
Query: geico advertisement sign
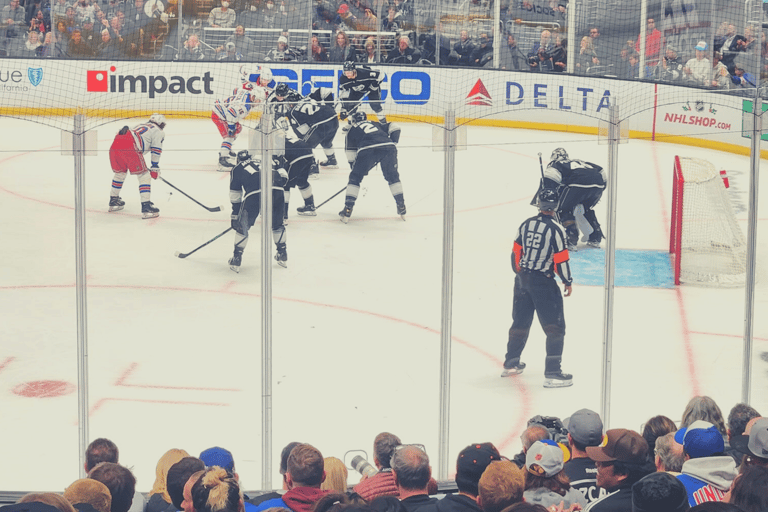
pixel 153 85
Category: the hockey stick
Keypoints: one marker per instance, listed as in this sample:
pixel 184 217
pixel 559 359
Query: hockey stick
pixel 184 255
pixel 334 195
pixel 214 209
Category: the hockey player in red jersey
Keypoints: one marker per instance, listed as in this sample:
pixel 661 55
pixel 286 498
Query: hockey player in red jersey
pixel 127 155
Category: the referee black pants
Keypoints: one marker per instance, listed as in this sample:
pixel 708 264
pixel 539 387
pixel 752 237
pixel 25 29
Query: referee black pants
pixel 536 292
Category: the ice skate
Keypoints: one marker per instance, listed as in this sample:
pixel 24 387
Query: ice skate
pixel 236 260
pixel 116 204
pixel 330 163
pixel 595 244
pixel 281 257
pixel 345 214
pixel 558 380
pixel 513 368
pixel 401 209
pixel 224 164
pixel 232 154
pixel 595 238
pixel 148 210
pixel 308 210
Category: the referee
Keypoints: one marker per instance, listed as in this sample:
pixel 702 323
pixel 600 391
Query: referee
pixel 539 252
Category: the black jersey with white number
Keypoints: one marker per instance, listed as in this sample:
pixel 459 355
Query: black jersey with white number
pixel 355 89
pixel 540 247
pixel 245 179
pixel 307 114
pixel 574 173
pixel 366 136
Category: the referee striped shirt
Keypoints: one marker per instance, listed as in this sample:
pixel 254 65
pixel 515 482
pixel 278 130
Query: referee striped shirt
pixel 540 247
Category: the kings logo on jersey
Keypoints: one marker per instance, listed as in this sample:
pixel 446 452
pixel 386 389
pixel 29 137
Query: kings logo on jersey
pixel 35 76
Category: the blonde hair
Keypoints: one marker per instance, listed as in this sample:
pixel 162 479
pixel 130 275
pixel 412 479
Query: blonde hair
pixel 49 498
pixel 335 475
pixel 217 491
pixel 90 491
pixel 501 484
pixel 168 459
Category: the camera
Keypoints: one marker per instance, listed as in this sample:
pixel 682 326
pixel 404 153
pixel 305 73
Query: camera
pixel 363 467
pixel 557 431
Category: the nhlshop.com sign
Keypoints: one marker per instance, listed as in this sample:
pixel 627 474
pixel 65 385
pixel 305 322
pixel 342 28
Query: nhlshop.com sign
pixel 707 122
pixel 110 81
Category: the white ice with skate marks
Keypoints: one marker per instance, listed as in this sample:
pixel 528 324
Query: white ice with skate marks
pixel 174 351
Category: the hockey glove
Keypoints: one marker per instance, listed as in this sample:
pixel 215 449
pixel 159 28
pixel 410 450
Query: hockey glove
pixel 283 178
pixel 343 114
pixel 232 130
pixel 155 171
pixel 236 224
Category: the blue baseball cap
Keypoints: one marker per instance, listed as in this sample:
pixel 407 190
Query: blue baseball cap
pixel 217 456
pixel 700 439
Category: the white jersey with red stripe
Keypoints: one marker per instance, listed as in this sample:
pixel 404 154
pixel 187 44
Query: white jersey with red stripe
pixel 148 137
pixel 235 108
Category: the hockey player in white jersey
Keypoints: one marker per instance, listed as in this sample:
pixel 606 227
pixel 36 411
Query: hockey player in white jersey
pixel 127 155
pixel 228 114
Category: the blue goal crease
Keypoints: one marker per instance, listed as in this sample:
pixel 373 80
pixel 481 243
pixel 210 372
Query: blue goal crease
pixel 634 268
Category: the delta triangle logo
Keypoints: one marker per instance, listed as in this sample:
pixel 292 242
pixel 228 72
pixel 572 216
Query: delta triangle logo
pixel 479 95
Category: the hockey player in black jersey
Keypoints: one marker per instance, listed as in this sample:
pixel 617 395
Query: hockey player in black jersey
pixel 367 144
pixel 313 118
pixel 578 183
pixel 245 195
pixel 356 83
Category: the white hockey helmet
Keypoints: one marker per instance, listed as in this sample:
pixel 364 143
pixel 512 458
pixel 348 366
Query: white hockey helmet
pixel 558 154
pixel 265 76
pixel 246 74
pixel 158 119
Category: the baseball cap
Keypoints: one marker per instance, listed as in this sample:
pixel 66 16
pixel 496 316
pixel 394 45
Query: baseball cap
pixel 700 439
pixel 282 39
pixel 622 445
pixel 756 443
pixel 217 456
pixel 585 427
pixel 343 9
pixel 472 462
pixel 702 45
pixel 545 458
pixel 659 492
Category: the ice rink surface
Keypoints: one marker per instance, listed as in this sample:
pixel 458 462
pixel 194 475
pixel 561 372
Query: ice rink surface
pixel 174 353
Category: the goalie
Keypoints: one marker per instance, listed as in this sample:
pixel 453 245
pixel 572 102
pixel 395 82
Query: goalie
pixel 580 186
pixel 245 195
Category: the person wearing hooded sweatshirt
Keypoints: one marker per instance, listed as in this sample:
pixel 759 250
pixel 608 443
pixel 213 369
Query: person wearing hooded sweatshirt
pixel 546 483
pixel 305 472
pixel 707 471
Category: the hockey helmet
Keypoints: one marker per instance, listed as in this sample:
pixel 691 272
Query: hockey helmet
pixel 265 76
pixel 158 119
pixel 558 154
pixel 247 75
pixel 358 117
pixel 243 156
pixel 547 200
pixel 283 91
pixel 349 69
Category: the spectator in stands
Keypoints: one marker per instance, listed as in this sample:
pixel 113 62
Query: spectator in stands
pixel 707 472
pixel 483 52
pixel 37 23
pixel 669 456
pixel 510 56
pixel 501 485
pixel 108 49
pixel 729 45
pixel 404 54
pixel 540 56
pixel 178 476
pixel 304 474
pixel 159 499
pixel 61 32
pixel 281 52
pixel 704 408
pixel 90 492
pixel 83 9
pixel 698 69
pixel 738 417
pixel 369 56
pixel 275 498
pixel 347 19
pixel 335 475
pixel 429 45
pixel 58 10
pixel 410 464
pixel 192 49
pixel 659 492
pixel 369 22
pixel 670 68
pixel 721 78
pixel 90 35
pixel 560 54
pixel 585 428
pixel 14 19
pixel 634 66
pixel 342 51
pixel 749 490
pixel 77 48
pixel 529 436
pixel 120 482
pixel 383 482
pixel 216 491
pixel 50 47
pixel 243 44
pixel 601 59
pixel 620 463
pixel 269 16
pixel 222 17
pixel 393 21
pixel 741 79
pixel 546 483
pixel 187 502
pixel 249 17
pixel 464 48
pixel 586 58
pixel 49 498
pixel 655 428
pixel 70 20
pixel 653 43
pixel 317 52
pixel 31 45
pixel 470 465
pixel 32 7
pixel 104 450
pixel 753 446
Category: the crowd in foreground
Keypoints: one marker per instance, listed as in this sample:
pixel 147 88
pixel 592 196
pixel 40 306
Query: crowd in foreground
pixel 702 465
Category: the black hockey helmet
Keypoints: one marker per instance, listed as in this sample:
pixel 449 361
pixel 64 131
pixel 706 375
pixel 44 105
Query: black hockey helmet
pixel 282 90
pixel 547 200
pixel 358 117
pixel 243 156
pixel 349 66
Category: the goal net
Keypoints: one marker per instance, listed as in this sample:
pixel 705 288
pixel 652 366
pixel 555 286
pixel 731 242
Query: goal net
pixel 705 237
